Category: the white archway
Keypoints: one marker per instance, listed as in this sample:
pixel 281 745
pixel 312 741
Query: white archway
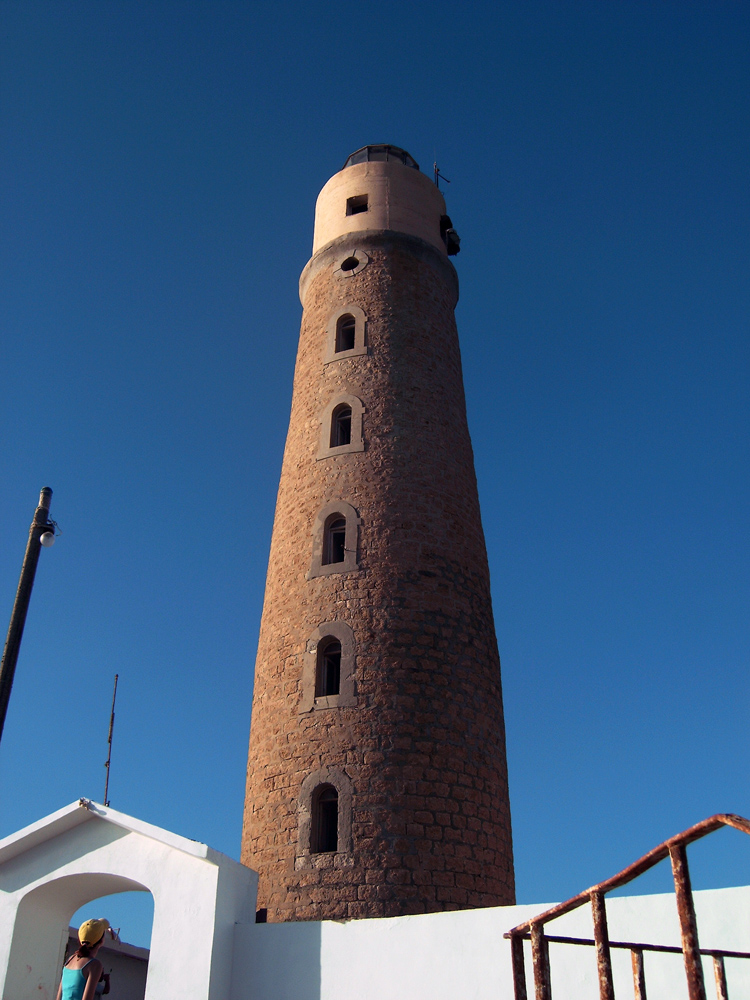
pixel 42 918
pixel 50 869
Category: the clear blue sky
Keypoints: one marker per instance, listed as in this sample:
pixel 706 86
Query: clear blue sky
pixel 159 169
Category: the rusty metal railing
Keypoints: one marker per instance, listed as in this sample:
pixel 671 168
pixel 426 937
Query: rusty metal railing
pixel 676 850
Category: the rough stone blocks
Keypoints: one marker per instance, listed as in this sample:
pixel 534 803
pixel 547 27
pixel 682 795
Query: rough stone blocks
pixel 423 746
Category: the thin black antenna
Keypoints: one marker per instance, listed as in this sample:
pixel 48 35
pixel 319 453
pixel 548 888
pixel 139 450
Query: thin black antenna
pixel 109 741
pixel 438 176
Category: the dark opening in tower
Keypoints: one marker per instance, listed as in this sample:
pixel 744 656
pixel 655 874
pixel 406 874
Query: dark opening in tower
pixel 341 426
pixel 325 820
pixel 328 673
pixel 345 330
pixel 334 541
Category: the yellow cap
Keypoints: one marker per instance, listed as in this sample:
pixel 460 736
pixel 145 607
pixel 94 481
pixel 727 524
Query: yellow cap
pixel 92 931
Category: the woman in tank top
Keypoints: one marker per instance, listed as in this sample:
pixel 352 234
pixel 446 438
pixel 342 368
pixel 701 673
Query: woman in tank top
pixel 83 970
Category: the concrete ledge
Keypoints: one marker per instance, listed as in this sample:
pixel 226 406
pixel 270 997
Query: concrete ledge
pixel 378 239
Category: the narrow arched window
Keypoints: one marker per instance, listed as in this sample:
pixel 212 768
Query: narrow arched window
pixel 334 540
pixel 328 672
pixel 328 669
pixel 341 426
pixel 325 820
pixel 345 333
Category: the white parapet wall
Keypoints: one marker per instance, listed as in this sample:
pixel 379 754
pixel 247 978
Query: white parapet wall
pixel 206 945
pixel 463 955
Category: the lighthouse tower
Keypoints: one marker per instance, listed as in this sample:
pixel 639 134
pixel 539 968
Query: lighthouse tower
pixel 377 780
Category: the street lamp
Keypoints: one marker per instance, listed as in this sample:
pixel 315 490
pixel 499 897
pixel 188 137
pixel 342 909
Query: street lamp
pixel 42 532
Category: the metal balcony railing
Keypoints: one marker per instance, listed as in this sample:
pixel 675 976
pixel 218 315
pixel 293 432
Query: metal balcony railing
pixel 676 849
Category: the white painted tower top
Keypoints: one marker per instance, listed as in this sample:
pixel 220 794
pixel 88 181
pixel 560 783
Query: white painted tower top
pixel 381 188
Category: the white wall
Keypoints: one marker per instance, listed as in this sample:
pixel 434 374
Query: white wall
pixel 206 946
pixel 401 199
pixel 50 869
pixel 463 956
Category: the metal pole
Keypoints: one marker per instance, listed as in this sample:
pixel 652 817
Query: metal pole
pixel 603 954
pixel 519 967
pixel 39 526
pixel 540 956
pixel 109 741
pixel 688 925
pixel 639 977
pixel 721 978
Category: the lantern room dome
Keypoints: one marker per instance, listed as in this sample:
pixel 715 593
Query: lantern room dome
pixel 382 153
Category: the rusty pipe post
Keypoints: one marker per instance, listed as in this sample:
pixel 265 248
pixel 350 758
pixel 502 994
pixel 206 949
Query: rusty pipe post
pixel 639 975
pixel 39 526
pixel 519 967
pixel 540 955
pixel 720 976
pixel 688 926
pixel 603 954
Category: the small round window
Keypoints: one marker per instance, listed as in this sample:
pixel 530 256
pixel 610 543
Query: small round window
pixel 352 264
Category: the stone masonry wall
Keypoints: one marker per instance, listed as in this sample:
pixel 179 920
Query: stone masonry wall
pixel 424 747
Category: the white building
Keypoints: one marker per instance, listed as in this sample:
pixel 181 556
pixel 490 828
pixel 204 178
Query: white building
pixel 206 945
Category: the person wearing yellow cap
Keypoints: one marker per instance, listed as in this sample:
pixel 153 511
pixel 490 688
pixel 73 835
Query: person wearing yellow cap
pixel 83 970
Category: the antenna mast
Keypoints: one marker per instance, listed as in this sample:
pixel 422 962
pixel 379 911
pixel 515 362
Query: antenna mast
pixel 109 742
pixel 438 176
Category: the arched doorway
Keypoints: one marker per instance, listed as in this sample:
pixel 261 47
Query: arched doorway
pixel 40 934
pixel 125 961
